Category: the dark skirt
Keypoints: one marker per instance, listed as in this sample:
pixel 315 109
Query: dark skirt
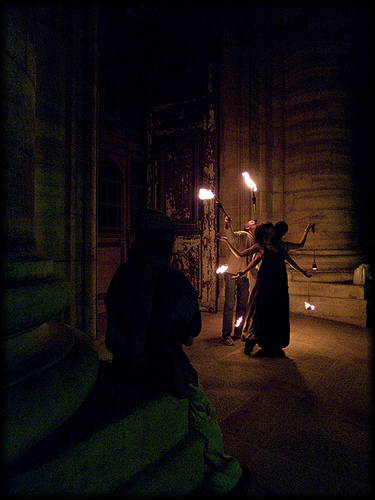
pixel 267 314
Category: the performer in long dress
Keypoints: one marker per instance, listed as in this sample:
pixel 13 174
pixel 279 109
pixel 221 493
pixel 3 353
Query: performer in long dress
pixel 267 315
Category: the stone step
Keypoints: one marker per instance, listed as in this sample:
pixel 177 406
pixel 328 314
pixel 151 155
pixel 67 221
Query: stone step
pixel 33 303
pixel 339 290
pixel 338 302
pixel 49 373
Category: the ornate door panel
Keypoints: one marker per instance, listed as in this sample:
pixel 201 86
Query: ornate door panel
pixel 183 159
pixel 180 171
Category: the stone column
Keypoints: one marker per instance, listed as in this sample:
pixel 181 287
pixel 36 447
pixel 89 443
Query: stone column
pixel 19 135
pixel 234 115
pixel 319 165
pixel 235 152
pixel 42 357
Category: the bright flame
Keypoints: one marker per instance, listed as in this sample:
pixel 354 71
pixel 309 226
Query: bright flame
pixel 221 269
pixel 238 322
pixel 309 307
pixel 206 194
pixel 249 182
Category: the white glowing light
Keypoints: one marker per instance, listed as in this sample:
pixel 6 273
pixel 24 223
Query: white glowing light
pixel 249 182
pixel 309 307
pixel 221 269
pixel 238 322
pixel 206 194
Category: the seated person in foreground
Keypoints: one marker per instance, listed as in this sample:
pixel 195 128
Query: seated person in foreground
pixel 152 312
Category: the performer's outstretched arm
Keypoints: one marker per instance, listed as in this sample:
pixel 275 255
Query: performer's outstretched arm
pixel 251 265
pixel 244 253
pixel 295 266
pixel 294 246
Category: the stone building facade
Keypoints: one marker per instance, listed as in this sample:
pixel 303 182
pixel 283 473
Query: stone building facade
pixel 293 115
pixel 282 98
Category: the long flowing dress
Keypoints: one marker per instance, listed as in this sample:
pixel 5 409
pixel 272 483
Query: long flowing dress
pixel 267 316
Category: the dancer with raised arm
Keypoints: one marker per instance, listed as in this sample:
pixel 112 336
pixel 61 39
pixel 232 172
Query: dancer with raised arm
pixel 267 315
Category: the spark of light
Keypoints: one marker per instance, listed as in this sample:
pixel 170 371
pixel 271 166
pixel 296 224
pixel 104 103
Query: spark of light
pixel 309 307
pixel 238 322
pixel 206 194
pixel 221 269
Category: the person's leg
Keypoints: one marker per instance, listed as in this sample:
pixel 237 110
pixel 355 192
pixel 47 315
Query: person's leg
pixel 249 332
pixel 229 303
pixel 222 471
pixel 242 285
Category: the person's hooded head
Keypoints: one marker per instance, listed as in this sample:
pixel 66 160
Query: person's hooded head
pixel 154 235
pixel 281 228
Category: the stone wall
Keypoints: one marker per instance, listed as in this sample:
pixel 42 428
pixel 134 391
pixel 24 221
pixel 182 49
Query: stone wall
pixel 318 160
pixel 291 117
pixel 42 356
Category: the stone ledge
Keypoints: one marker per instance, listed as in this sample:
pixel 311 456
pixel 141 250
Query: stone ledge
pixel 324 289
pixel 30 268
pixel 33 303
pixel 35 350
pixel 320 276
pixel 50 387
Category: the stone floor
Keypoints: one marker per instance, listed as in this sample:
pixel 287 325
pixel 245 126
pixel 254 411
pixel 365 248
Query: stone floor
pixel 301 423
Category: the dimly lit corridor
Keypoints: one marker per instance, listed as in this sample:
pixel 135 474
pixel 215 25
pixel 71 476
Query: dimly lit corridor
pixel 110 109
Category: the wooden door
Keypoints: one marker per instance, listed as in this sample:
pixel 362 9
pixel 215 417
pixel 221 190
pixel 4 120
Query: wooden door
pixel 183 158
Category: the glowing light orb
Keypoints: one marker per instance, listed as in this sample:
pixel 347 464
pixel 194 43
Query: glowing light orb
pixel 309 307
pixel 221 269
pixel 238 322
pixel 206 194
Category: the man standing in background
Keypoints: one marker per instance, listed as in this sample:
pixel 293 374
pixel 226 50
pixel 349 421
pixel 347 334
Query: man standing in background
pixel 236 290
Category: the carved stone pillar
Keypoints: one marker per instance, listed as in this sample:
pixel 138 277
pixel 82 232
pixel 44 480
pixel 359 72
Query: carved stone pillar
pixel 43 358
pixel 319 167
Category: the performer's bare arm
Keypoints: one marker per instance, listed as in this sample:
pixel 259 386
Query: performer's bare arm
pixel 288 245
pixel 251 265
pixel 295 266
pixel 244 253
